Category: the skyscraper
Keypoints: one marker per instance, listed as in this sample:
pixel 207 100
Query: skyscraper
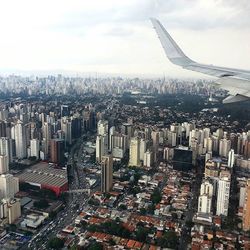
pixel 107 173
pixel 4 166
pixel 102 127
pixel 20 140
pixel 224 147
pixel 6 148
pixel 230 162
pixel 34 148
pixel 56 151
pixel 67 130
pixel 9 186
pixel 223 193
pixel 64 110
pixel 246 208
pixel 143 148
pixel 205 198
pixel 101 146
pixel 134 152
pixel 147 161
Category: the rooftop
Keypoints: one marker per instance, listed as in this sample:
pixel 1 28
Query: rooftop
pixel 42 173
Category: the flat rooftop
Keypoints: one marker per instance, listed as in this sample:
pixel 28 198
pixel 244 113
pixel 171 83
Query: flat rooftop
pixel 43 174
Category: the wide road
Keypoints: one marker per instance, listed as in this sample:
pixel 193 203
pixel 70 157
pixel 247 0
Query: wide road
pixel 75 202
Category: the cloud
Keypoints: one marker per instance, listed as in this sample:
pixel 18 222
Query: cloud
pixel 116 36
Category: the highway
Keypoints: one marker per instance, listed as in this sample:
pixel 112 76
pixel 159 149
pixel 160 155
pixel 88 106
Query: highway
pixel 75 202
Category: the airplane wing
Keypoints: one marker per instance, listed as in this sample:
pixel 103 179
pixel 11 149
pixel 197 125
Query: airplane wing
pixel 236 81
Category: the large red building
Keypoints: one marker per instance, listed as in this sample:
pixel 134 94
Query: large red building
pixel 45 176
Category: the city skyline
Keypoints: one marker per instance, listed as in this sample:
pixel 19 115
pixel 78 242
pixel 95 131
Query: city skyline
pixel 117 38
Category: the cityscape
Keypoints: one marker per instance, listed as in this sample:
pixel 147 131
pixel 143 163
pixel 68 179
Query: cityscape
pixel 106 144
pixel 117 163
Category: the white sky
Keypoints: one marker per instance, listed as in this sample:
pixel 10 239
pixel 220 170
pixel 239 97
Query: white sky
pixel 116 36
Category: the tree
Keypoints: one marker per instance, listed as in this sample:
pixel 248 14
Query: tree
pixel 141 234
pixel 151 209
pixel 143 211
pixel 169 239
pixel 94 202
pixel 95 246
pixel 55 243
pixel 123 207
pixel 156 196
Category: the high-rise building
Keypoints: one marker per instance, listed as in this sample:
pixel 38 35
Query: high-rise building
pixel 57 151
pixel 65 110
pixel 127 129
pixel 101 146
pixel 224 147
pixel 168 153
pixel 246 208
pixel 10 209
pixel 6 147
pixel 219 133
pixel 102 127
pixel 223 193
pixel 243 191
pixel 111 134
pixel 208 144
pixel 46 134
pixel 230 162
pixel 76 124
pixel 34 148
pixel 205 198
pixel 143 148
pixel 147 161
pixel 4 167
pixel 204 204
pixel 9 186
pixel 20 140
pixel 106 173
pixel 134 152
pixel 147 133
pixel 155 139
pixel 66 127
pixel 2 128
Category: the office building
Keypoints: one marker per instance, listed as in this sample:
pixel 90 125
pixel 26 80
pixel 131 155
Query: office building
pixel 147 161
pixel 6 148
pixel 102 127
pixel 134 152
pixel 20 140
pixel 9 186
pixel 223 193
pixel 10 210
pixel 35 148
pixel 101 146
pixel 231 159
pixel 65 110
pixel 4 167
pixel 205 197
pixel 246 208
pixel 57 151
pixel 106 173
pixel 143 148
pixel 224 147
pixel 66 127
